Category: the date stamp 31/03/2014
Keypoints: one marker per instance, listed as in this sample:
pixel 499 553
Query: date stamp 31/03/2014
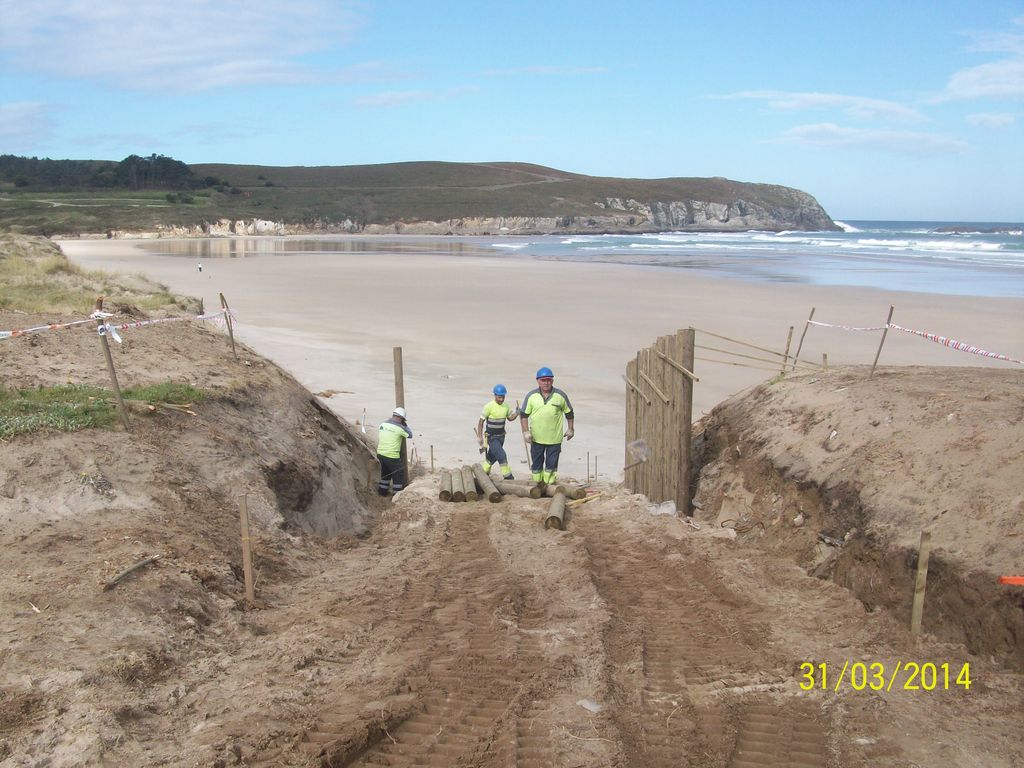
pixel 877 676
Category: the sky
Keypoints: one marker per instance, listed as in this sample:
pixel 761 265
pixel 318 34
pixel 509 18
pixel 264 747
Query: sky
pixel 910 110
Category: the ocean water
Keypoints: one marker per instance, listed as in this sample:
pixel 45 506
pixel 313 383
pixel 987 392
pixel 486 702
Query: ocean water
pixel 980 259
pixel 892 255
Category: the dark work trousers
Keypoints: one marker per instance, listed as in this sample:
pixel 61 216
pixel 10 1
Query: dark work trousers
pixel 392 473
pixel 496 449
pixel 544 457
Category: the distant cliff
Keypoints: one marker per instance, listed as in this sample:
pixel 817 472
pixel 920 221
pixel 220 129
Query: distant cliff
pixel 416 198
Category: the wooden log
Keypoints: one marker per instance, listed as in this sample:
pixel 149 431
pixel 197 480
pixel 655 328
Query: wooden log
pixel 515 489
pixel 469 483
pixel 458 488
pixel 533 490
pixel 556 513
pixel 486 484
pixel 445 493
pixel 570 491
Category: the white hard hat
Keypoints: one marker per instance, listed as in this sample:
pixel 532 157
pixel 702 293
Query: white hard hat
pixel 399 412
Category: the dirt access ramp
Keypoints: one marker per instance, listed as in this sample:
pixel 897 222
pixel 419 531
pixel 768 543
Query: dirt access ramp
pixel 843 472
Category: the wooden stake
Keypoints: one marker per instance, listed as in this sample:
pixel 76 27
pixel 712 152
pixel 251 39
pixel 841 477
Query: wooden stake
pixel 800 345
pixel 688 339
pixel 824 360
pixel 919 584
pixel 243 515
pixel 400 401
pixel 101 329
pixel 431 459
pixel 785 355
pixel 884 332
pixel 588 467
pixel 231 328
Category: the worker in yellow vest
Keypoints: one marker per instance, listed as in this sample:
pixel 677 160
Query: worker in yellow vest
pixel 544 411
pixel 492 439
pixel 390 435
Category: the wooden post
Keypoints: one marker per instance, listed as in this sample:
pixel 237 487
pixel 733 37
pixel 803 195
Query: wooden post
pixel 231 328
pixel 824 360
pixel 884 332
pixel 588 467
pixel 445 493
pixel 683 503
pixel 431 459
pixel 800 345
pixel 486 484
pixel 919 584
pixel 556 513
pixel 400 401
pixel 458 488
pixel 250 587
pixel 101 329
pixel 469 483
pixel 785 355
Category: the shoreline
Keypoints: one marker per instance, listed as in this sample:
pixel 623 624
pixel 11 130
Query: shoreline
pixel 467 322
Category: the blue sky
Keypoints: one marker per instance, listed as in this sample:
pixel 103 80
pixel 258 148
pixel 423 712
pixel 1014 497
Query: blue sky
pixel 881 110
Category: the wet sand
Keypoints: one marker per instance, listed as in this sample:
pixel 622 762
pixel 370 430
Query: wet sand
pixel 467 322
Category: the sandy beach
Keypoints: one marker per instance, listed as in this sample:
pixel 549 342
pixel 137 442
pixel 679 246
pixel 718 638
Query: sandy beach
pixel 467 322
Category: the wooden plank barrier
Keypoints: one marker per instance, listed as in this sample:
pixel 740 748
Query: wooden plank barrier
pixel 659 412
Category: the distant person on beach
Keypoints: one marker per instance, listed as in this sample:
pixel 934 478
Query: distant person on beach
pixel 542 422
pixel 492 440
pixel 390 435
pixel 199 267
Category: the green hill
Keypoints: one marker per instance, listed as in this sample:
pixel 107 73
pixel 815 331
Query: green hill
pixel 434 197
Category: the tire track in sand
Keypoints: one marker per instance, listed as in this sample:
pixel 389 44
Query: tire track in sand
pixel 677 660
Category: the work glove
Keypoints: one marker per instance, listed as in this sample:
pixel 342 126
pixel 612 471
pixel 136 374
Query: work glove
pixel 483 448
pixel 569 433
pixel 527 437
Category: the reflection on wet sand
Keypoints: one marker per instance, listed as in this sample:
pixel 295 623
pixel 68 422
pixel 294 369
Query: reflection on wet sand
pixel 246 247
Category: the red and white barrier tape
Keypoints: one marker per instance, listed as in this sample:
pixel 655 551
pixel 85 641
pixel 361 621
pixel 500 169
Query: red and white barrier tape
pixel 216 317
pixel 846 327
pixel 954 344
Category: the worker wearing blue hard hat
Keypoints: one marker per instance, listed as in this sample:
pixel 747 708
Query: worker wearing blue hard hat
pixel 490 431
pixel 546 418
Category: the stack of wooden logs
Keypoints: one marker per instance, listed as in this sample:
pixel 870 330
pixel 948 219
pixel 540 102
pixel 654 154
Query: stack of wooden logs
pixel 462 484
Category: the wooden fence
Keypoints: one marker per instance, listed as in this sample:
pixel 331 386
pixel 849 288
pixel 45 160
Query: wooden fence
pixel 659 412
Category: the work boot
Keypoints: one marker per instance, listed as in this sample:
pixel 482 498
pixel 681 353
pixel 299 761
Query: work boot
pixel 509 476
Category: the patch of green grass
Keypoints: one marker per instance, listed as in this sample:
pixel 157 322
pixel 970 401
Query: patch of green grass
pixel 64 409
pixel 74 407
pixel 167 392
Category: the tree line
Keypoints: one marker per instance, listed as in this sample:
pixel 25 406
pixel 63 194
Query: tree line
pixel 133 173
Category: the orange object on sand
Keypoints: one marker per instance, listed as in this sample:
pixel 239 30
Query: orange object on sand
pixel 1017 581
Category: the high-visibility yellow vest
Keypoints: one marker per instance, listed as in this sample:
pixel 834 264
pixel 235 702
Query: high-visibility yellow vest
pixel 547 417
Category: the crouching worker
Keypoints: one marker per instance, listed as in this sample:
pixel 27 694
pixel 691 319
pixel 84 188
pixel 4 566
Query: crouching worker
pixel 492 440
pixel 389 452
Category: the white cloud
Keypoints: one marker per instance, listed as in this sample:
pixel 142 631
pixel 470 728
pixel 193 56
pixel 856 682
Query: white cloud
pixel 185 45
pixel 899 142
pixel 991 119
pixel 856 107
pixel 401 98
pixel 1003 78
pixel 996 79
pixel 25 124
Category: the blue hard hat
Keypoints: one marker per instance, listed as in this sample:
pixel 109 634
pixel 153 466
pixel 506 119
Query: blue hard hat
pixel 499 389
pixel 545 372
